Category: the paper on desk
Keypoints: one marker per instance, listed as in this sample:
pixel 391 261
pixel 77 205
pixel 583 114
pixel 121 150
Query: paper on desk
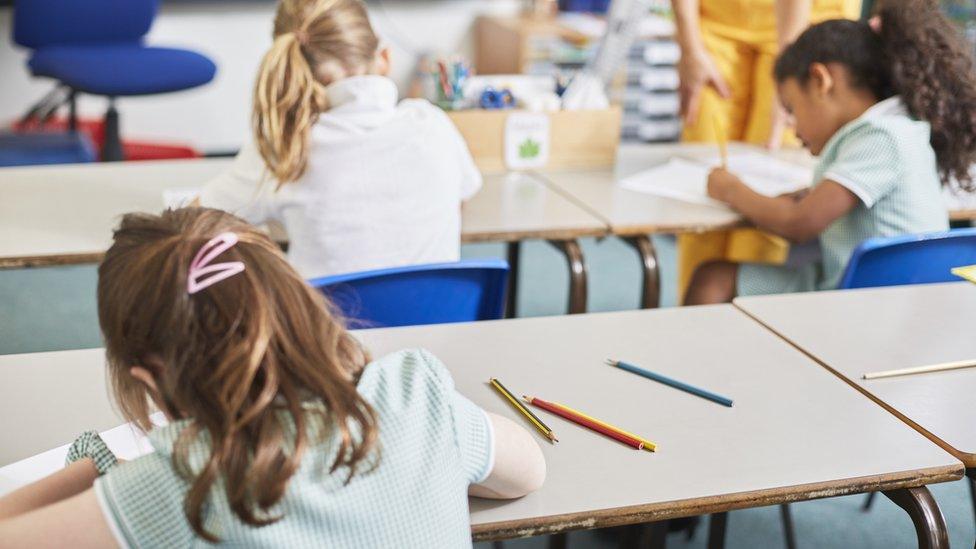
pixel 180 197
pixel 126 442
pixel 687 180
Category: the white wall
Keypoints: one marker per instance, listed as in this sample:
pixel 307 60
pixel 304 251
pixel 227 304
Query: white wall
pixel 235 34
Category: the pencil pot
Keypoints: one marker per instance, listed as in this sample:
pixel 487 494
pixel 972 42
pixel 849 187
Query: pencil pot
pixel 501 140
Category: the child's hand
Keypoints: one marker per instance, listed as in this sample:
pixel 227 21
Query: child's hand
pixel 720 184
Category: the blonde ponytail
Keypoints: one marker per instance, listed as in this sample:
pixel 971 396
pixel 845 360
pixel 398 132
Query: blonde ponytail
pixel 316 42
pixel 287 100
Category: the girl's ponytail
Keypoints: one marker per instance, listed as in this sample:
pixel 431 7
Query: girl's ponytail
pixel 931 67
pixel 287 101
pixel 316 42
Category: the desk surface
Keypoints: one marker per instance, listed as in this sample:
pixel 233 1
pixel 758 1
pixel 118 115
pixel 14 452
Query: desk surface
pixel 54 215
pixel 853 332
pixel 794 433
pixel 631 213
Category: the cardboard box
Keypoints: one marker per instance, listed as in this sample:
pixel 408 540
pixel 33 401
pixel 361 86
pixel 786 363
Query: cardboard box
pixel 578 139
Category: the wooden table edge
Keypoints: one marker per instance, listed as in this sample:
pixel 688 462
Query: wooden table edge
pixel 637 514
pixel 539 234
pixel 54 260
pixel 57 260
pixel 962 215
pixel 968 459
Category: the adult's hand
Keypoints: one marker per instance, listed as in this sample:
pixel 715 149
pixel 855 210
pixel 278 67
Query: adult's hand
pixel 696 68
pixel 696 71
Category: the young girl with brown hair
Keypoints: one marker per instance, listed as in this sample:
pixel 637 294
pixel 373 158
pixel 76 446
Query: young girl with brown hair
pixel 282 432
pixel 358 180
pixel 890 108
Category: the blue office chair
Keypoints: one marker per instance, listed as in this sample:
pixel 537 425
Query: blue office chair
pixel 422 294
pixel 911 259
pixel 96 47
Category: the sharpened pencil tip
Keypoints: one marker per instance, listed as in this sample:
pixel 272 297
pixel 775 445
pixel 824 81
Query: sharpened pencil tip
pixel 611 362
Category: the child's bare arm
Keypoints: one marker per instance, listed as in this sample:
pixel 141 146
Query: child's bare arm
pixel 519 467
pixel 67 482
pixel 795 220
pixel 74 522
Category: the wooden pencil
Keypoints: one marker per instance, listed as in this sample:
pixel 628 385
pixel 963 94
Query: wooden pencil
pixel 542 427
pixel 613 433
pixel 680 385
pixel 722 142
pixel 648 445
pixel 957 365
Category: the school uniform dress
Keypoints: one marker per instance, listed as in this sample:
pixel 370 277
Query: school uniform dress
pixel 885 159
pixel 383 187
pixel 433 444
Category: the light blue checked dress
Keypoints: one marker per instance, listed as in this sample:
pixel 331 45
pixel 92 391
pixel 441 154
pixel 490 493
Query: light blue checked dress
pixel 885 159
pixel 434 443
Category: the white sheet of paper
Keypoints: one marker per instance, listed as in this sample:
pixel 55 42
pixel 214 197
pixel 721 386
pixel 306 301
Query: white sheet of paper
pixel 180 197
pixel 687 180
pixel 126 442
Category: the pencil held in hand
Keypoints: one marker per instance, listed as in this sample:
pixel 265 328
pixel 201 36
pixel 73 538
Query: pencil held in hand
pixel 722 141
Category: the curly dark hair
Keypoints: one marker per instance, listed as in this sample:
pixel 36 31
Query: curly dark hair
pixel 917 54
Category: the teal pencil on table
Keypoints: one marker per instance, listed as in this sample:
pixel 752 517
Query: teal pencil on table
pixel 719 399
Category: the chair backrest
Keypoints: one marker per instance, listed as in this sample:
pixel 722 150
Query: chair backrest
pixel 422 294
pixel 910 259
pixel 39 23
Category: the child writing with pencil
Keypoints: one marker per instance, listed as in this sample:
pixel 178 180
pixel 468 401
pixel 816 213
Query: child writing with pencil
pixel 282 432
pixel 889 106
pixel 358 180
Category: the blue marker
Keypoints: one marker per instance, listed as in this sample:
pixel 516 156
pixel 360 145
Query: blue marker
pixel 671 382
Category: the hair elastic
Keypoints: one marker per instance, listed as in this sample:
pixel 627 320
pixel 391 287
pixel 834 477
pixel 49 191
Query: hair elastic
pixel 200 267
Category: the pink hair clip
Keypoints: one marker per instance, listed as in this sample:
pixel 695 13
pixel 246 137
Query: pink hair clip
pixel 196 279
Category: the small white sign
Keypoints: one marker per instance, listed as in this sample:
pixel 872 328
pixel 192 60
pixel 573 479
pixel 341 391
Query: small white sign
pixel 526 140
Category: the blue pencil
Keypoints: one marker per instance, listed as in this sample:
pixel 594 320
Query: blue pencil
pixel 672 382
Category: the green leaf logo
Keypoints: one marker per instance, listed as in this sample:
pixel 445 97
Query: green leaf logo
pixel 529 148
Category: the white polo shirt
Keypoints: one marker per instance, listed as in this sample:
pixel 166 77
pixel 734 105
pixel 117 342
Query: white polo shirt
pixel 383 188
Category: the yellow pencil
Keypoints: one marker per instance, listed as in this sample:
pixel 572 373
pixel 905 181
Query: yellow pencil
pixel 542 427
pixel 648 445
pixel 722 144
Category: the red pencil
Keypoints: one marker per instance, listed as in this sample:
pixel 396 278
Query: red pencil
pixel 562 412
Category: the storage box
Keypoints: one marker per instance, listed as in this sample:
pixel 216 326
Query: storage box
pixel 577 139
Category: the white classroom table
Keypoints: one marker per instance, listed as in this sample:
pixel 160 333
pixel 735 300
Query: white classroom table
pixel 633 215
pixel 795 432
pixel 852 332
pixel 58 215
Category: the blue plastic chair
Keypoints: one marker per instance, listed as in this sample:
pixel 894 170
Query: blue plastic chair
pixel 911 259
pixel 95 47
pixel 421 294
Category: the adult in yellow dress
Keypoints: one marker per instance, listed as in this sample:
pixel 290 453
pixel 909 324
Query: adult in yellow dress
pixel 728 48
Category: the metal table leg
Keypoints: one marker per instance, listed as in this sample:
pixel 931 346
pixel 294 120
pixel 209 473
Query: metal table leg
pixel 787 519
pixel 930 525
pixel 577 274
pixel 716 530
pixel 514 250
pixel 650 274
